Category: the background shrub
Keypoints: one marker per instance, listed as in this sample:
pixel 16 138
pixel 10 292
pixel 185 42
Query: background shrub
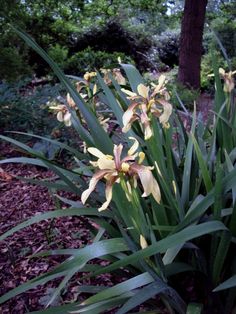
pixel 89 59
pixel 167 47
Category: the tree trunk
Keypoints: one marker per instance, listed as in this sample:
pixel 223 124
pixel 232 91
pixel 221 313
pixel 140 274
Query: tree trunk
pixel 191 43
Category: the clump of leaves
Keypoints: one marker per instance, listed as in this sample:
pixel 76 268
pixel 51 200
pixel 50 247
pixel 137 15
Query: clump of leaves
pixel 170 198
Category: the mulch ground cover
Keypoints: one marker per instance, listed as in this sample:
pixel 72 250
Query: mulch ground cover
pixel 19 201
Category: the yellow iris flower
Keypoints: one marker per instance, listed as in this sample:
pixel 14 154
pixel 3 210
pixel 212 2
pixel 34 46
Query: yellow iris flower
pixel 229 80
pixel 111 168
pixel 148 101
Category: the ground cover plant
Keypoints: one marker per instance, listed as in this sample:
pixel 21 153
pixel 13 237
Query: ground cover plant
pixel 162 197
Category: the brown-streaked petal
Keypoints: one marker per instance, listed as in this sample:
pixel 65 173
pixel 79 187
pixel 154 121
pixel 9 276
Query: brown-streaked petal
pixel 70 100
pixel 108 191
pixel 145 176
pixel 129 113
pixel 117 154
pixel 92 184
pixel 134 147
pixel 126 128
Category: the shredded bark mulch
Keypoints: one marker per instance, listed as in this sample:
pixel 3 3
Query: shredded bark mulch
pixel 18 202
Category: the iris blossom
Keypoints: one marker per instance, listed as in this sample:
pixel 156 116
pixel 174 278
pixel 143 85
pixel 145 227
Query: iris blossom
pixel 229 80
pixel 145 103
pixel 113 168
pixel 63 113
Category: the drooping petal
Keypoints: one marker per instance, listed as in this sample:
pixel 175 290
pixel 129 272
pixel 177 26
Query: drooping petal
pixel 108 193
pixel 126 128
pixel 167 111
pixel 92 184
pixel 143 91
pixel 148 133
pixel 119 77
pixel 129 113
pixel 134 147
pixel 60 116
pixel 156 193
pixel 111 179
pixel 67 118
pixel 70 101
pixel 145 175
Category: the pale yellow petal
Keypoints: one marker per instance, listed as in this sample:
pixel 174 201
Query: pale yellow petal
pixel 143 90
pixel 95 89
pixel 92 184
pixel 126 128
pixel 58 107
pixel 167 111
pixel 134 147
pixel 146 178
pixel 95 152
pixel 161 80
pixel 143 242
pixel 60 116
pixel 105 163
pixel 70 100
pixel 127 116
pixel 156 193
pixel 147 132
pixel 125 167
pixel 94 163
pixel 67 119
pixel 86 193
pixel 161 83
pixel 221 71
pixel 128 92
pixel 108 193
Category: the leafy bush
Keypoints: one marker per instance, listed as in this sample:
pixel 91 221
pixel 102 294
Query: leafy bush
pixel 171 199
pixel 23 106
pixel 207 79
pixel 58 54
pixel 167 47
pixel 12 64
pixel 226 30
pixel 89 59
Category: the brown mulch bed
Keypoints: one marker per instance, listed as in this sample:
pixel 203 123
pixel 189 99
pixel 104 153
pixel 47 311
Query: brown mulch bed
pixel 19 201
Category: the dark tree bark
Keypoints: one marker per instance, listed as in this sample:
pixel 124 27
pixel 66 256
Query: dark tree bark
pixel 191 43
